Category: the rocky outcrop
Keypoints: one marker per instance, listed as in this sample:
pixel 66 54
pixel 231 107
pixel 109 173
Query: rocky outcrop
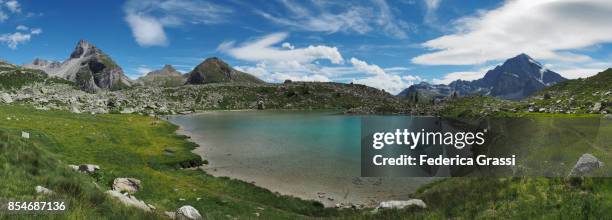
pixel 401 204
pixel 5 98
pixel 187 212
pixel 126 185
pixel 88 67
pixel 214 70
pixel 128 200
pixel 585 165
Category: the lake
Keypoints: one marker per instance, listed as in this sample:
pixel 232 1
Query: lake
pixel 311 155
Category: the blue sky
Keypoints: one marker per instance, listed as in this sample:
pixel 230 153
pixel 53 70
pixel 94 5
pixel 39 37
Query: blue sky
pixel 385 44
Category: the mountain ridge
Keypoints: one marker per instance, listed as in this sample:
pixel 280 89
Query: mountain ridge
pixel 167 76
pixel 517 78
pixel 87 66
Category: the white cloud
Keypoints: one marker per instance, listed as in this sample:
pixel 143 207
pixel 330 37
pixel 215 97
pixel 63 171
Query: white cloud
pixel 542 29
pixel 14 39
pixel 466 75
pixel 390 83
pixel 22 28
pixel 365 67
pixel 431 6
pixel 378 78
pixel 148 18
pixel 36 31
pixel 280 73
pixel 412 78
pixel 463 75
pixel 148 31
pixel 578 70
pixel 287 45
pixel 275 63
pixel 33 31
pixel 262 50
pixel 347 17
pixel 142 70
pixel 3 16
pixel 13 6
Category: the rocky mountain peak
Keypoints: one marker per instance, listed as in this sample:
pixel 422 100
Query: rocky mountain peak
pixel 84 48
pixel 523 67
pixel 522 60
pixel 517 78
pixel 215 62
pixel 215 70
pixel 88 67
pixel 168 68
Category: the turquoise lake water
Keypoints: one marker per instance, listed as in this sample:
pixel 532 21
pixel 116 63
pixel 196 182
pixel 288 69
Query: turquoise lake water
pixel 313 155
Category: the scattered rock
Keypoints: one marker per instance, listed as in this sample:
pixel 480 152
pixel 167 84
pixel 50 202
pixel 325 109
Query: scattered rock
pixel 6 98
pixel 88 168
pixel 25 135
pixel 171 215
pixel 43 190
pixel 74 167
pixel 596 107
pixel 261 105
pixel 585 165
pixel 400 204
pixel 127 111
pixel 75 109
pixel 187 212
pixel 126 185
pixel 129 200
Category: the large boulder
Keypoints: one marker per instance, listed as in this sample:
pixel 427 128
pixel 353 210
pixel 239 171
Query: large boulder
pixel 126 185
pixel 128 200
pixel 188 212
pixel 5 98
pixel 585 165
pixel 400 204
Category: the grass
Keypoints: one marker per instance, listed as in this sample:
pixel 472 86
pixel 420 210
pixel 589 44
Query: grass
pixel 26 163
pixel 133 146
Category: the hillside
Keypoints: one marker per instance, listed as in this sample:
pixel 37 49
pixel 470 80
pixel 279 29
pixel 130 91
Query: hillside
pixel 588 95
pixel 164 77
pixel 15 77
pixel 27 163
pixel 214 70
pixel 123 146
